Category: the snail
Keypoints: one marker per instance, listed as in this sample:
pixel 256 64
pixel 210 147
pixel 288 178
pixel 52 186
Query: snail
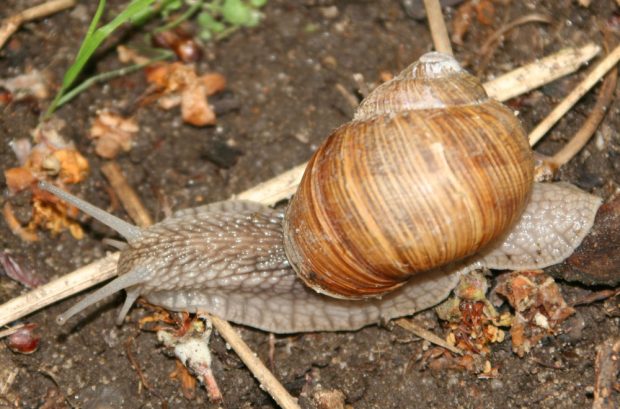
pixel 431 176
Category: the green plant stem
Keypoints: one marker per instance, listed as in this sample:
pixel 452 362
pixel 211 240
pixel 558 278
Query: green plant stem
pixel 105 76
pixel 93 39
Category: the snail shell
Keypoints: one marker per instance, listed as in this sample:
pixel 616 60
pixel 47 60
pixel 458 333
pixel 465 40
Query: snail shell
pixel 429 171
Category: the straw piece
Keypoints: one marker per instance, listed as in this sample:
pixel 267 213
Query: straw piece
pixel 439 32
pixel 579 91
pixel 267 381
pixel 540 72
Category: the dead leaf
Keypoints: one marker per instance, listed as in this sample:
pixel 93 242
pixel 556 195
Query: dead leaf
pixel 539 307
pixel 19 271
pixel 177 84
pixel 129 55
pixel 25 85
pixel 187 381
pixel 113 133
pixel 18 179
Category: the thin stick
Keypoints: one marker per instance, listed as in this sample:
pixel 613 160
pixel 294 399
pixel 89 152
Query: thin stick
pixel 606 367
pixel 270 192
pixel 426 334
pixel 560 110
pixel 11 24
pixel 540 72
pixel 128 197
pixel 439 32
pixel 589 127
pixel 263 375
pixel 279 188
pixel 65 286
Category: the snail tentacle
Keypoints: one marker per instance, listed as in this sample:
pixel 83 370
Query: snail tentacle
pixel 127 230
pixel 120 283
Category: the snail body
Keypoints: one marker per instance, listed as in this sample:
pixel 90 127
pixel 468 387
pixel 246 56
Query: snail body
pixel 237 259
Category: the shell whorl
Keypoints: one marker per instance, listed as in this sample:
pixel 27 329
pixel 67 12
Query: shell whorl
pixel 435 81
pixel 429 171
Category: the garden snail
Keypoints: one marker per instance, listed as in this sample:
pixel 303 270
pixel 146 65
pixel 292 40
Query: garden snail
pixel 470 203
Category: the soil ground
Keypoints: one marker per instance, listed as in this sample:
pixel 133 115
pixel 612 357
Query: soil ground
pixel 282 77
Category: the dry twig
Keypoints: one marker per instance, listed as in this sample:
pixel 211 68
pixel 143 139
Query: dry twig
pixel 128 197
pixel 65 286
pixel 540 72
pixel 267 380
pixel 607 366
pixel 12 24
pixel 437 24
pixel 580 90
pixel 426 334
pixel 589 127
pixel 487 50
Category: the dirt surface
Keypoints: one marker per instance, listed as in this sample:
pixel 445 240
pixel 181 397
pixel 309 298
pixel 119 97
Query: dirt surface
pixel 282 79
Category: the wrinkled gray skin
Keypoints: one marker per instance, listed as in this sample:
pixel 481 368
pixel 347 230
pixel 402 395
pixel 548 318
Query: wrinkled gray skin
pixel 228 259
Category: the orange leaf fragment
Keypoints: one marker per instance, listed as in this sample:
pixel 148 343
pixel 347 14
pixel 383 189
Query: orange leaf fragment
pixel 539 305
pixel 214 83
pixel 73 166
pixel 179 84
pixel 18 179
pixel 188 382
pixel 113 133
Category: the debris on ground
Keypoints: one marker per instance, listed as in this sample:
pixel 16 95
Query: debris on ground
pixel 52 158
pixel 607 370
pixel 178 84
pixel 483 11
pixel 180 42
pixel 191 347
pixel 473 324
pixel 31 84
pixel 19 271
pixel 112 133
pixel 23 339
pixel 539 307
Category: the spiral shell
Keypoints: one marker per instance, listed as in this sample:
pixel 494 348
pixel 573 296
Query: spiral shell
pixel 429 171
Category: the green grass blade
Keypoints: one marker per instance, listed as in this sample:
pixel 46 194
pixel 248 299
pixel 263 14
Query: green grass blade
pixel 92 41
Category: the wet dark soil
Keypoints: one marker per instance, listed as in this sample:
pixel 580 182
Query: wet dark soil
pixel 282 78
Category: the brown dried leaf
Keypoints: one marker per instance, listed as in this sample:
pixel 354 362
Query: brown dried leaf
pixel 33 84
pixel 14 225
pixel 461 22
pixel 485 11
pixel 129 55
pixel 187 381
pixel 18 179
pixel 113 133
pixel 214 83
pixel 176 79
pixel 19 272
pixel 540 307
pixel 195 109
pixel 73 166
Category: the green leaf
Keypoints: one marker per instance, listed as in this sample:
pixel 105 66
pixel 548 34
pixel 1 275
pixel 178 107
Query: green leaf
pixel 236 12
pixel 258 3
pixel 206 21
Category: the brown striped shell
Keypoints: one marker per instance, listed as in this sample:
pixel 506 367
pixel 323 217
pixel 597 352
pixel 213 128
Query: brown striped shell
pixel 428 172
